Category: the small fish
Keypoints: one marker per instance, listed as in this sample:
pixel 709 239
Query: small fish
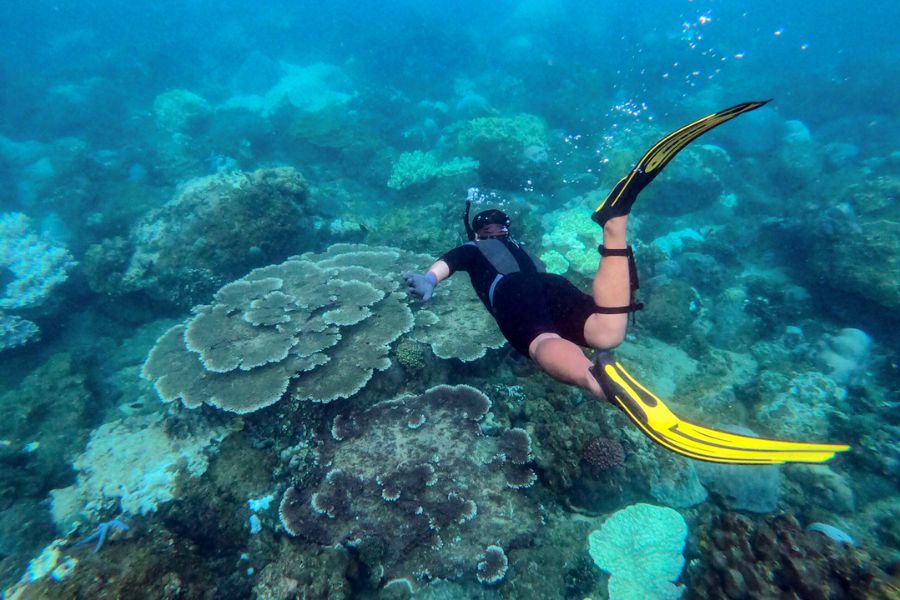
pixel 838 535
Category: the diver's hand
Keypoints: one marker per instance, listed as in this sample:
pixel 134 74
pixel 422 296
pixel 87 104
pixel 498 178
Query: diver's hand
pixel 421 286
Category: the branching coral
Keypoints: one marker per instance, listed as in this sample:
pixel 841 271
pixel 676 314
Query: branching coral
pixel 417 478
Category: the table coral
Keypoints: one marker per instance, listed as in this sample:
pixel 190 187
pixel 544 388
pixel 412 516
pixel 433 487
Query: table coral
pixel 298 327
pixel 416 486
pixel 455 323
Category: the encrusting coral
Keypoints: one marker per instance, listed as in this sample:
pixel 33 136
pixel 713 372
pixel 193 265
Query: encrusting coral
pixel 418 489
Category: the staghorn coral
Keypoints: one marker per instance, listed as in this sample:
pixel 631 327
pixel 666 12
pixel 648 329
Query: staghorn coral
pixel 418 489
pixel 215 229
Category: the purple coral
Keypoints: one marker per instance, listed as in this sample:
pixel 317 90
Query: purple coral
pixel 492 566
pixel 430 497
pixel 603 454
pixel 516 446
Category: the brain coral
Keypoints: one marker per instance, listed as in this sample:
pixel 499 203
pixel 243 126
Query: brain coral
pixel 416 486
pixel 320 325
pixel 215 229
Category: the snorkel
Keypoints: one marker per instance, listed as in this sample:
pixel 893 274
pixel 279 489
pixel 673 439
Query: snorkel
pixel 470 233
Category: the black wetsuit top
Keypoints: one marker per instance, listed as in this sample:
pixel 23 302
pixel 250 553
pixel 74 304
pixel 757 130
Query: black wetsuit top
pixel 481 272
pixel 526 303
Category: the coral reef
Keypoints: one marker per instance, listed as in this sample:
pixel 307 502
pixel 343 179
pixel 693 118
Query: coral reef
pixel 806 406
pixel 602 454
pixel 215 229
pixel 570 239
pixel 507 148
pixel 310 572
pixel 868 260
pixel 774 558
pixel 299 327
pixel 641 548
pixel 416 487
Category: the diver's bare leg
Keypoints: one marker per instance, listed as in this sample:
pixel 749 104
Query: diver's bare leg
pixel 612 288
pixel 564 361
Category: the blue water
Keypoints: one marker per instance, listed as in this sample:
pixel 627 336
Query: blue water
pixel 151 153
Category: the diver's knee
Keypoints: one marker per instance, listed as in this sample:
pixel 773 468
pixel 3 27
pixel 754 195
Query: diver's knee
pixel 534 346
pixel 602 334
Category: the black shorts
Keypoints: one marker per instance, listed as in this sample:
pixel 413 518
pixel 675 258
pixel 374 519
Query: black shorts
pixel 529 304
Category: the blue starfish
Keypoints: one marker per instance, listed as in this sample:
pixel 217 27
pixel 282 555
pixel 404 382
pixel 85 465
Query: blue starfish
pixel 101 532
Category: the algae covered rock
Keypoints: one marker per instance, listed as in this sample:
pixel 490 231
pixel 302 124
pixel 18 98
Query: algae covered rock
pixel 215 229
pixel 669 310
pixel 866 261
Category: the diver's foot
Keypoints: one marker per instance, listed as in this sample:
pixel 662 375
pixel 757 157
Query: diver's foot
pixel 619 201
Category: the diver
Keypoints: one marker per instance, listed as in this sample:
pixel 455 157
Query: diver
pixel 548 319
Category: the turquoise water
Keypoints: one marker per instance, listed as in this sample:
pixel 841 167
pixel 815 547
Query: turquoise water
pixel 215 384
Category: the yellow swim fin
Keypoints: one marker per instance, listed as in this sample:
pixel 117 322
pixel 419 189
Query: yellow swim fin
pixel 662 426
pixel 623 195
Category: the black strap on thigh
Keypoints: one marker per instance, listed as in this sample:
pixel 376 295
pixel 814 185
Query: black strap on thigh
pixel 634 284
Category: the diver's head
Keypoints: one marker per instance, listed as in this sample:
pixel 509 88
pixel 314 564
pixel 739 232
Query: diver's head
pixel 491 224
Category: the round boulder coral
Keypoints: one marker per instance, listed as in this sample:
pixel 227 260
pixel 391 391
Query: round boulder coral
pixel 217 228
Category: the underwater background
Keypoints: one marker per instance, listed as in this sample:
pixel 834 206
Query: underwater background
pixel 215 386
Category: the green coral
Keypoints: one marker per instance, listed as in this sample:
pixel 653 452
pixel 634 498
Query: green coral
pixel 555 262
pixel 641 547
pixel 521 130
pixel 414 168
pixel 410 355
pixel 570 234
